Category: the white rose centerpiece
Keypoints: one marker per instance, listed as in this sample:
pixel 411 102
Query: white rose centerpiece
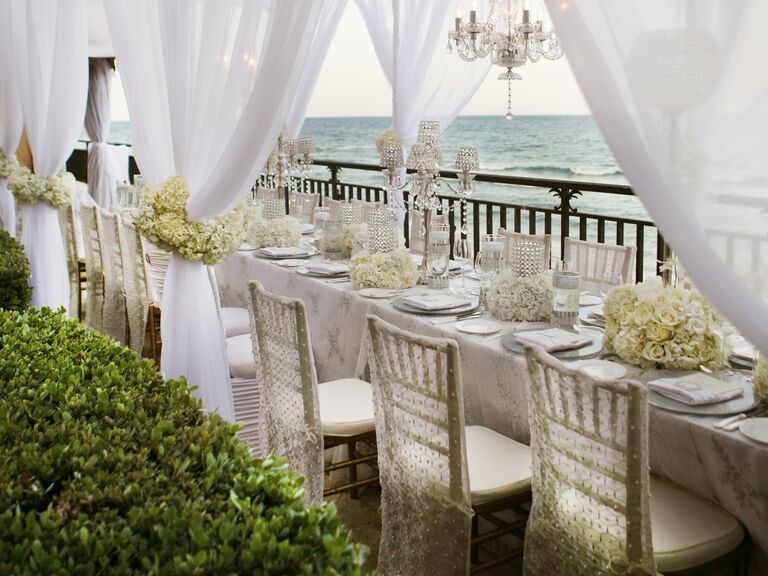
pixel 162 219
pixel 653 325
pixel 275 232
pixel 520 298
pixel 395 270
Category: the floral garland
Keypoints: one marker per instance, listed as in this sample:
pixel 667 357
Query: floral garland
pixel 520 298
pixel 162 219
pixel 395 270
pixel 760 378
pixel 8 164
pixel 649 324
pixel 388 136
pixel 275 232
pixel 29 188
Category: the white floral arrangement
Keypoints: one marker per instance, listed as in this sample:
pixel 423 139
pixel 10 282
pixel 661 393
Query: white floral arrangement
pixel 395 270
pixel 162 219
pixel 275 232
pixel 353 238
pixel 520 298
pixel 760 378
pixel 29 188
pixel 388 136
pixel 650 324
pixel 8 164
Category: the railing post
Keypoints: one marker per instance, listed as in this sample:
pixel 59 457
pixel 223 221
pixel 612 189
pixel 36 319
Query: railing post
pixel 334 170
pixel 565 195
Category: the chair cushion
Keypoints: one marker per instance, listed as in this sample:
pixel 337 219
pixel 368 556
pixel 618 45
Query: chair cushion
pixel 236 321
pixel 240 357
pixel 687 530
pixel 498 466
pixel 346 407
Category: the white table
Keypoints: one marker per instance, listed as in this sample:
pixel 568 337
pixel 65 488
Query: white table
pixel 724 467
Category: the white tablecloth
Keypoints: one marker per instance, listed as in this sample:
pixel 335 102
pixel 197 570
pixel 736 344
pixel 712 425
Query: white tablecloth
pixel 724 467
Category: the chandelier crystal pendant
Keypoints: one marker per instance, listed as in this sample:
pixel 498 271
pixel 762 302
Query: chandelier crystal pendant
pixel 509 43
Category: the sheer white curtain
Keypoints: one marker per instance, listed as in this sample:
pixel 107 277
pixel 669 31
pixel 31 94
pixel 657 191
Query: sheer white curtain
pixel 428 83
pixel 678 89
pixel 51 73
pixel 208 85
pixel 321 41
pixel 11 122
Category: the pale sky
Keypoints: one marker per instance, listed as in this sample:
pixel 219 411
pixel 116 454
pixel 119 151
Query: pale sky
pixel 351 83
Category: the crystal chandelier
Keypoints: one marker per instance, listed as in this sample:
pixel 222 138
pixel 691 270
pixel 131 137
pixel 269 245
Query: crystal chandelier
pixel 509 43
pixel 291 159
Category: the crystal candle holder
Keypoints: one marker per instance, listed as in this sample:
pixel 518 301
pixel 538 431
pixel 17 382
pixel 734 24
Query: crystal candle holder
pixel 392 157
pixel 565 299
pixel 467 159
pixel 382 230
pixel 438 256
pixel 351 213
pixel 272 208
pixel 422 158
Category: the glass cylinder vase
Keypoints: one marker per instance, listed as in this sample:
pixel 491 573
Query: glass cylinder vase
pixel 565 299
pixel 438 256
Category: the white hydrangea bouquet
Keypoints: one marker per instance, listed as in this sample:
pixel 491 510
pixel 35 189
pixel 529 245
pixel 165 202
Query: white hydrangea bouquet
pixel 653 325
pixel 8 164
pixel 162 219
pixel 275 232
pixel 29 188
pixel 520 298
pixel 395 270
pixel 387 137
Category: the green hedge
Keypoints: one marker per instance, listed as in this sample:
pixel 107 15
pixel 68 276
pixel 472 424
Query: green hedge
pixel 15 291
pixel 107 468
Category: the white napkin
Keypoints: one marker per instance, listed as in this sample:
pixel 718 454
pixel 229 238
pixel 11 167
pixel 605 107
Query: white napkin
pixel 284 251
pixel 435 301
pixel 744 352
pixel 553 339
pixel 696 389
pixel 328 268
pixel 307 228
pixel 453 265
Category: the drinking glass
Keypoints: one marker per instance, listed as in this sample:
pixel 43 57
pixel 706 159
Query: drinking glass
pixel 463 253
pixel 297 208
pixel 439 256
pixel 487 265
pixel 332 244
pixel 322 216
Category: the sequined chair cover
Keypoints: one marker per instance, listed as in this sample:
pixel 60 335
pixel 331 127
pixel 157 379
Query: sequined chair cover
pixel 590 514
pixel 136 288
pixel 114 315
pixel 94 267
pixel 526 254
pixel 286 369
pixel 308 204
pixel 425 501
pixel 598 263
pixel 416 232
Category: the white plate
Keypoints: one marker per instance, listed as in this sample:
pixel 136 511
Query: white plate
pixel 306 254
pixel 589 300
pixel 481 327
pixel 306 272
pixel 755 428
pixel 378 292
pixel 290 263
pixel 246 247
pixel 599 369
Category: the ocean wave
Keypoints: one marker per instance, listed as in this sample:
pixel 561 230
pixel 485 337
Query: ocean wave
pixel 576 171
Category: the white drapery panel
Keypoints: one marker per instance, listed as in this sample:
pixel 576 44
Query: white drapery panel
pixel 208 84
pixel 678 92
pixel 321 41
pixel 101 176
pixel 11 122
pixel 51 39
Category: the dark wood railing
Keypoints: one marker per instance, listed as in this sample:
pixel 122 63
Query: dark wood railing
pixel 563 219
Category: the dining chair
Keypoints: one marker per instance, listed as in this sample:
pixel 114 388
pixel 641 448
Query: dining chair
pixel 94 267
pixel 366 209
pixel 136 287
pixel 264 193
pixel 302 418
pixel 599 263
pixel 415 232
pixel 526 254
pixel 114 311
pixel 437 475
pixel 75 268
pixel 308 203
pixel 596 509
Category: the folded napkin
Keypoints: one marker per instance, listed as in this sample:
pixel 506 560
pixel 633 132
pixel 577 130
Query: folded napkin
pixel 453 265
pixel 696 389
pixel 743 351
pixel 284 251
pixel 307 228
pixel 328 268
pixel 435 301
pixel 553 339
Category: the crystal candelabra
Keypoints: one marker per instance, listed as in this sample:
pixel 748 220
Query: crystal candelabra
pixel 424 159
pixel 509 43
pixel 290 157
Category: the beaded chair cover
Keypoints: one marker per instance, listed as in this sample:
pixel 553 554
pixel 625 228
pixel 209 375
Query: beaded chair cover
pixel 113 323
pixel 136 287
pixel 590 514
pixel 67 220
pixel 598 263
pixel 425 501
pixel 286 369
pixel 526 254
pixel 308 203
pixel 94 268
pixel 416 229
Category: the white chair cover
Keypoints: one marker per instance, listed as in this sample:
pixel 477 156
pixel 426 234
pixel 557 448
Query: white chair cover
pixel 137 291
pixel 597 262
